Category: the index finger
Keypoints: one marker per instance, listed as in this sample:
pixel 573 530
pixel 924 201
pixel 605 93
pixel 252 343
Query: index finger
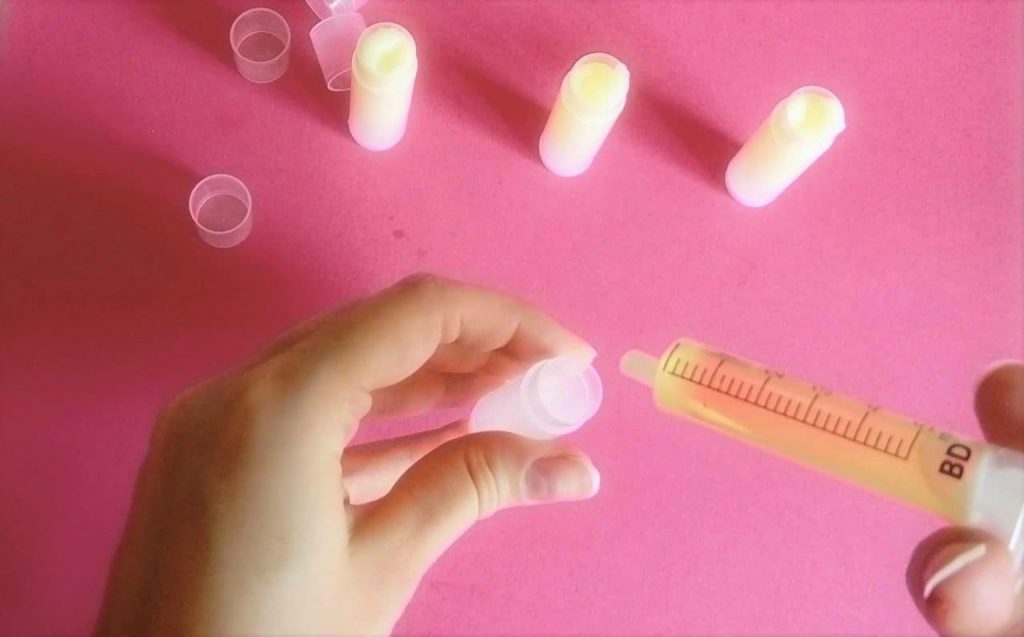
pixel 386 338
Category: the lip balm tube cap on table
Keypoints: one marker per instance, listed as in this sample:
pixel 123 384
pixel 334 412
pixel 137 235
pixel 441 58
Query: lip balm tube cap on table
pixel 591 97
pixel 326 8
pixel 334 42
pixel 553 398
pixel 261 42
pixel 221 209
pixel 800 129
pixel 384 69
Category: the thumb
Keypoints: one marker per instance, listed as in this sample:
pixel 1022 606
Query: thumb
pixel 455 485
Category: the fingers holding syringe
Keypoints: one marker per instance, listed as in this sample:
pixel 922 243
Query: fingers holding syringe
pixel 964 583
pixel 999 404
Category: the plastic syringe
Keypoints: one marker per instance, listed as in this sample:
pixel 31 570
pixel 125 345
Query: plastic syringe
pixel 966 482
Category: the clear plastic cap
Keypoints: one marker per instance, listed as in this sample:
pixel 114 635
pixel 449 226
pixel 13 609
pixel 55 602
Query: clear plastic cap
pixel 553 398
pixel 221 208
pixel 261 41
pixel 326 8
pixel 334 41
pixel 811 114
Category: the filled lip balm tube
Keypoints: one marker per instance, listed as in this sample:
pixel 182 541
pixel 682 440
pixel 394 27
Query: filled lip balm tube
pixel 965 482
pixel 800 129
pixel 589 102
pixel 553 398
pixel 384 69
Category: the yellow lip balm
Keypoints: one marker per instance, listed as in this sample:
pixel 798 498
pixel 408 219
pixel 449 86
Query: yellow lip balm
pixel 384 69
pixel 589 102
pixel 800 129
pixel 966 482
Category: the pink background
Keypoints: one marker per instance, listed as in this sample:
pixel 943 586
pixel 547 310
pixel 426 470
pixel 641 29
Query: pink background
pixel 892 270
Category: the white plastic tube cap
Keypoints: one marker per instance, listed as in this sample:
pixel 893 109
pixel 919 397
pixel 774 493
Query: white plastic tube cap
pixel 553 398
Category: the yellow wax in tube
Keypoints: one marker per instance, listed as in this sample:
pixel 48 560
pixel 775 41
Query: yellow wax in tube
pixel 589 102
pixel 965 482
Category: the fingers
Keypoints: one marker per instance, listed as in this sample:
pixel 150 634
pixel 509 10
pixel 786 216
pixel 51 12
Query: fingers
pixel 999 403
pixel 370 470
pixel 461 482
pixel 964 583
pixel 384 340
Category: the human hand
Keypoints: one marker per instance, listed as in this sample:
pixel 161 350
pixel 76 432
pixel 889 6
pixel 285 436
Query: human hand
pixel 250 515
pixel 962 580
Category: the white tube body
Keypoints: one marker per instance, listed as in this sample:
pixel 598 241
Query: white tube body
pixel 800 129
pixel 589 102
pixel 384 69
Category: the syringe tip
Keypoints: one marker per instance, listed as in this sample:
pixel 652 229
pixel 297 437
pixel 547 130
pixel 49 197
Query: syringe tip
pixel 640 366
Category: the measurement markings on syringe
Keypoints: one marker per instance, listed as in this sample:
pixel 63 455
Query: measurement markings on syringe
pixel 886 442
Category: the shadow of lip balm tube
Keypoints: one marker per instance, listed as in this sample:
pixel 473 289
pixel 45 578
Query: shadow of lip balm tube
pixel 553 398
pixel 384 69
pixel 589 102
pixel 800 129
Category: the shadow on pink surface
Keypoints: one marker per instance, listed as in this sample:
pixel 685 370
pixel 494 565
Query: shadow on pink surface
pixel 684 134
pixel 496 107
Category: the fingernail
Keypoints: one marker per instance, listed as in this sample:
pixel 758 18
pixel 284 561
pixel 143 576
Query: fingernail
pixel 942 567
pixel 561 478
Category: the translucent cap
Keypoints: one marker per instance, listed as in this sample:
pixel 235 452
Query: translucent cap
pixel 221 208
pixel 261 42
pixel 334 41
pixel 326 8
pixel 553 398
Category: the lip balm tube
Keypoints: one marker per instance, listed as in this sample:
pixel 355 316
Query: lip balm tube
pixel 383 73
pixel 800 129
pixel 553 398
pixel 589 102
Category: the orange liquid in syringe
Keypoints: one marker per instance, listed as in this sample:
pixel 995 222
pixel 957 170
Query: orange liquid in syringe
pixel 860 443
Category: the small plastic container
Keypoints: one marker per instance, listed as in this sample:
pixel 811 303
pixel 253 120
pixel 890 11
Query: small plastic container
pixel 326 8
pixel 261 41
pixel 799 131
pixel 589 102
pixel 221 208
pixel 384 68
pixel 334 42
pixel 553 398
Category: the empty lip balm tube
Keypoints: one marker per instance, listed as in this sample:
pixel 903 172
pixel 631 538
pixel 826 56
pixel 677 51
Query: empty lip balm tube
pixel 553 398
pixel 589 102
pixel 221 208
pixel 326 8
pixel 800 129
pixel 334 42
pixel 261 40
pixel 383 74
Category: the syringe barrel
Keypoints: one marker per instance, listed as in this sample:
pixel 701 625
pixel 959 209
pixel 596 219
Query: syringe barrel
pixel 966 482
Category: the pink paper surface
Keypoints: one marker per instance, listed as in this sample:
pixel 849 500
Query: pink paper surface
pixel 892 270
